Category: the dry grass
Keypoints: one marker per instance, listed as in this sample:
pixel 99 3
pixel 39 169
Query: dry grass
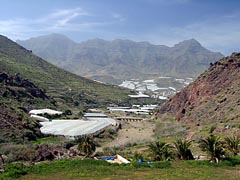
pixel 133 133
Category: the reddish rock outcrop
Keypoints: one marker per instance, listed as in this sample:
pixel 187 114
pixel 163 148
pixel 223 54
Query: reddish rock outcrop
pixel 213 96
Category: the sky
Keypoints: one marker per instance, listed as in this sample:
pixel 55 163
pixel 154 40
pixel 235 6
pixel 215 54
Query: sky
pixel 214 23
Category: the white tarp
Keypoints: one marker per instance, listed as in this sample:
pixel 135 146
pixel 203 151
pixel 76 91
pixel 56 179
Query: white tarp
pixel 39 118
pixel 45 111
pixel 74 127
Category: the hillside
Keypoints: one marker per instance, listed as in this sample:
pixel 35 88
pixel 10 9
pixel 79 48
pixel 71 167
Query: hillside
pixel 17 96
pixel 211 100
pixel 66 89
pixel 117 60
pixel 15 126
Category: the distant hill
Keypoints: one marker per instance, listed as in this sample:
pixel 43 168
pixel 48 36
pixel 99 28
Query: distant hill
pixel 66 89
pixel 213 99
pixel 117 60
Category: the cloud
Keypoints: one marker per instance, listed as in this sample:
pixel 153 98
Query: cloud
pixel 221 34
pixel 57 21
pixel 118 17
pixel 62 17
pixel 14 28
pixel 170 2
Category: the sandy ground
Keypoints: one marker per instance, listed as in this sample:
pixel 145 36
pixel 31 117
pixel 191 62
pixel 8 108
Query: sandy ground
pixel 133 132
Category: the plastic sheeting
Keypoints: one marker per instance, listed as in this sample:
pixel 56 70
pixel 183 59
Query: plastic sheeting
pixel 74 128
pixel 44 111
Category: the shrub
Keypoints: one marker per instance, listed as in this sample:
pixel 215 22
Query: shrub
pixel 18 152
pixel 161 165
pixel 232 143
pixel 15 170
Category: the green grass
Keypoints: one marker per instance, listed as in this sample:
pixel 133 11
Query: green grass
pixel 95 170
pixel 50 139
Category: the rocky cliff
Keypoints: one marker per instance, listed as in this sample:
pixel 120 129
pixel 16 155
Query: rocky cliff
pixel 214 97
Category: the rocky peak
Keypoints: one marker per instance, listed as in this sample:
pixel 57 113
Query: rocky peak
pixel 191 43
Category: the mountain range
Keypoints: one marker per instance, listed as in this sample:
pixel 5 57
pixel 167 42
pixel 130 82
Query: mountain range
pixel 117 60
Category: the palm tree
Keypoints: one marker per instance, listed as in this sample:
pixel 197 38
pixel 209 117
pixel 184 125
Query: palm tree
pixel 161 151
pixel 86 145
pixel 233 144
pixel 213 146
pixel 182 149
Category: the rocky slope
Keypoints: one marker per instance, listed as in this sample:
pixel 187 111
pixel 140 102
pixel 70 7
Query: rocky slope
pixel 17 97
pixel 214 97
pixel 16 126
pixel 20 90
pixel 117 60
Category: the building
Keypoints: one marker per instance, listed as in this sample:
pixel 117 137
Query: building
pixel 94 115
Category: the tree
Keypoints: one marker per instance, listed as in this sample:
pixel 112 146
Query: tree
pixel 86 145
pixel 161 151
pixel 182 149
pixel 232 143
pixel 214 147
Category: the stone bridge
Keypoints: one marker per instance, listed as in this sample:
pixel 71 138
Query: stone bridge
pixel 129 119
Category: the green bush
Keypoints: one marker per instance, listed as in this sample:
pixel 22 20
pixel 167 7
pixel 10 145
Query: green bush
pixel 161 165
pixel 15 171
pixel 230 161
pixel 140 165
pixel 233 161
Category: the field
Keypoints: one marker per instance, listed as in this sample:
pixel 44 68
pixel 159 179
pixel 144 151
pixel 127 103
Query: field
pixel 101 170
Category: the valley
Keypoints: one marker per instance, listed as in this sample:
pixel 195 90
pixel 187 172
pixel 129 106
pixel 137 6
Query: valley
pixel 119 90
pixel 54 115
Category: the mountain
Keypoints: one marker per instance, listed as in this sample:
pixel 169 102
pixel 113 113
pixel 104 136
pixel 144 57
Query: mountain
pixel 211 100
pixel 117 60
pixel 54 47
pixel 65 89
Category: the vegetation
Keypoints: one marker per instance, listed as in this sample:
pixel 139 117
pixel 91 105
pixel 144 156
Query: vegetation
pixel 86 145
pixel 233 144
pixel 214 147
pixel 182 149
pixel 161 151
pixel 95 170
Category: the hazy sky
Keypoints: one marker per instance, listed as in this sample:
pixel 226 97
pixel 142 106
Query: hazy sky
pixel 214 23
